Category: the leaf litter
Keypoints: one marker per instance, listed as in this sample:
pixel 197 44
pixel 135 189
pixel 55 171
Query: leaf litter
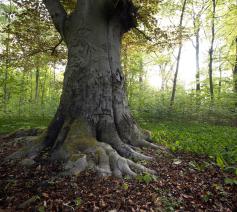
pixel 184 182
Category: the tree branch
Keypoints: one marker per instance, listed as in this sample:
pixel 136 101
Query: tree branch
pixel 57 13
pixel 143 33
pixel 54 48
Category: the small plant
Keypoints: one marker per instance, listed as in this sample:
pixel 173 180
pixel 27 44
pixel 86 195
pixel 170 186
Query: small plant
pixel 206 197
pixel 168 202
pixel 217 142
pixel 125 186
pixel 220 162
pixel 199 166
pixel 41 209
pixel 220 189
pixel 78 201
pixel 146 178
pixel 230 181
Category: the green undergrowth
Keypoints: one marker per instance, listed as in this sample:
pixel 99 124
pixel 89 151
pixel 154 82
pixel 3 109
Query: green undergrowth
pixel 218 142
pixel 8 125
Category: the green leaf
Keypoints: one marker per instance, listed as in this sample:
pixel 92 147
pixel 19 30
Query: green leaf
pixel 220 162
pixel 230 181
pixel 125 186
pixel 78 201
pixel 41 209
pixel 147 178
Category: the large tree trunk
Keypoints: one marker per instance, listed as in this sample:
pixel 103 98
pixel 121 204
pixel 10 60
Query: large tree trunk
pixel 93 126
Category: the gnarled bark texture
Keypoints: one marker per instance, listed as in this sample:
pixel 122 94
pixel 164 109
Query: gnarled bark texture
pixel 93 127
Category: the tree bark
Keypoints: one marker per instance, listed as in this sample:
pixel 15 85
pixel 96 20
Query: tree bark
pixel 197 27
pixel 93 127
pixel 235 70
pixel 21 95
pixel 5 87
pixel 211 51
pixel 43 94
pixel 220 76
pixel 31 92
pixel 37 75
pixel 7 62
pixel 125 68
pixel 197 48
pixel 140 82
pixel 179 55
pixel 235 81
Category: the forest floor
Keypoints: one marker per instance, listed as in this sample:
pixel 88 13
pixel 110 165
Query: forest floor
pixel 185 182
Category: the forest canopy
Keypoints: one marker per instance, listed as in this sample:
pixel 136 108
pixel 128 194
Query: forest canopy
pixel 149 53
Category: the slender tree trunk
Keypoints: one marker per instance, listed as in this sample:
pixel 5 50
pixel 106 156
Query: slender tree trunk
pixel 179 55
pixel 197 49
pixel 162 70
pixel 220 76
pixel 21 95
pixel 31 92
pixel 197 28
pixel 43 94
pixel 235 70
pixel 211 51
pixel 162 73
pixel 235 82
pixel 220 82
pixel 5 88
pixel 93 127
pixel 140 83
pixel 53 88
pixel 7 63
pixel 37 75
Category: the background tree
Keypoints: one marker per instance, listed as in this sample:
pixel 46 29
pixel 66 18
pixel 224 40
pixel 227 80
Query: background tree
pixel 198 9
pixel 179 54
pixel 211 50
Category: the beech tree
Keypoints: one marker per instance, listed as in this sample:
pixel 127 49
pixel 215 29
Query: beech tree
pixel 179 54
pixel 211 51
pixel 93 127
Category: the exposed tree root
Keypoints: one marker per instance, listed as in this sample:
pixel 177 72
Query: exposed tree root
pixel 79 149
pixel 106 161
pixel 31 150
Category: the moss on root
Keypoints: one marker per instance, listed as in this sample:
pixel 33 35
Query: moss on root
pixel 78 149
pixel 147 133
pixel 79 137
